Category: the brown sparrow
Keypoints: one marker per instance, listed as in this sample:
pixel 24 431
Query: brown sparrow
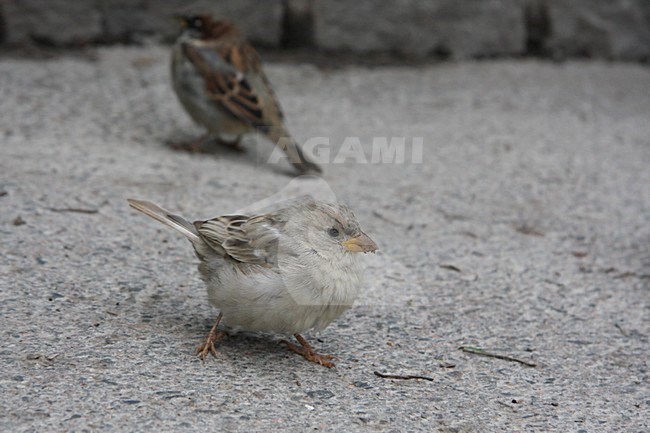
pixel 218 78
pixel 287 271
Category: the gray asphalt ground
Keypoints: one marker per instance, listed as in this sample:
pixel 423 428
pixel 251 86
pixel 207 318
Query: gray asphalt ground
pixel 524 232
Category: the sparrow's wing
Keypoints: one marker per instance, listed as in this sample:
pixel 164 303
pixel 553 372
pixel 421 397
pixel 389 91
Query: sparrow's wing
pixel 242 238
pixel 235 81
pixel 225 67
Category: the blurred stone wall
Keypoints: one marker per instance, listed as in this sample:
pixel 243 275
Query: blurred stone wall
pixel 612 29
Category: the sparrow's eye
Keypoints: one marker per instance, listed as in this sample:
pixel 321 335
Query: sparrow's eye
pixel 333 232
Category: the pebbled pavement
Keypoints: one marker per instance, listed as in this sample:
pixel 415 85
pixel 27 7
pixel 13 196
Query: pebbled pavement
pixel 523 232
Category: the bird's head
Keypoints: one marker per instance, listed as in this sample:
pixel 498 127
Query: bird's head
pixel 333 227
pixel 204 26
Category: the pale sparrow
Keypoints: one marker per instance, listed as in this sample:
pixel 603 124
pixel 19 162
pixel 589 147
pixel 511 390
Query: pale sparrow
pixel 219 80
pixel 287 271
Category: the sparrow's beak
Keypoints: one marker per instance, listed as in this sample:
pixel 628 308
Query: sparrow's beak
pixel 360 244
pixel 181 20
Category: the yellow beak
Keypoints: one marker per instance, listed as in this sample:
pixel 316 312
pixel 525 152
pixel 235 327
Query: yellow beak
pixel 360 244
pixel 181 20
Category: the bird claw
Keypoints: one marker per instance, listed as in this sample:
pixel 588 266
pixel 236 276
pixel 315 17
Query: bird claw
pixel 196 146
pixel 308 353
pixel 204 349
pixel 208 346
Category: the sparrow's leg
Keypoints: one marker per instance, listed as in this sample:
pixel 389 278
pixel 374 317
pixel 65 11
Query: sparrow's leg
pixel 213 336
pixel 195 146
pixel 307 351
pixel 234 144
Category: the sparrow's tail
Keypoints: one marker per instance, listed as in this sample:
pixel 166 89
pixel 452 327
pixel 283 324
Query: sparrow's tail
pixel 176 222
pixel 297 157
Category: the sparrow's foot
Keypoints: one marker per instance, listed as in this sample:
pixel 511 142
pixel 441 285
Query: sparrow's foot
pixel 196 146
pixel 308 353
pixel 208 346
pixel 234 144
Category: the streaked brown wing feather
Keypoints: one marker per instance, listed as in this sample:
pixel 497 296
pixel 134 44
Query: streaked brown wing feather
pixel 241 238
pixel 228 86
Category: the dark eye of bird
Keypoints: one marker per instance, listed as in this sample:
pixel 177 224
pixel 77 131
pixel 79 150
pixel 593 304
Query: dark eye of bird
pixel 333 232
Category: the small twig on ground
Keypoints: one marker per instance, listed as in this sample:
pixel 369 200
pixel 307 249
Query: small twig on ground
pixel 622 331
pixel 506 405
pixel 451 268
pixel 631 274
pixel 74 209
pixel 383 218
pixel 525 229
pixel 477 351
pixel 403 377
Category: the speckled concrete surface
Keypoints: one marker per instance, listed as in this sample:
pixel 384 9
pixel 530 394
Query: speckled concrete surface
pixel 525 231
